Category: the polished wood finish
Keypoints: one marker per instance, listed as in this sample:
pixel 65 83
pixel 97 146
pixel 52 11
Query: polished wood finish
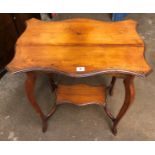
pixel 129 97
pixel 80 94
pixel 101 47
pixel 80 32
pixel 81 48
pixel 29 87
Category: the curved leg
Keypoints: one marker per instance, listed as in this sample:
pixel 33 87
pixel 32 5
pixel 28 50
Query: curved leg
pixel 29 86
pixel 129 97
pixel 53 87
pixel 53 109
pixel 108 112
pixel 111 88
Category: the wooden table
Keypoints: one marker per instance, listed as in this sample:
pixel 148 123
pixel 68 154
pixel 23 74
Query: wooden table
pixel 80 48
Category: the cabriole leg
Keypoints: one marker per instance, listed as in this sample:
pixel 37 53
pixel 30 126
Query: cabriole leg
pixel 129 97
pixel 30 86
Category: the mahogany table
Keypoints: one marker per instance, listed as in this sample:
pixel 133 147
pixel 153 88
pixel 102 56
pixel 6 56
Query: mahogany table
pixel 80 48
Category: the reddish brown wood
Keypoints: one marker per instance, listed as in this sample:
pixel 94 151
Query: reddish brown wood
pixel 95 46
pixel 52 111
pixel 58 44
pixel 30 85
pixel 80 94
pixel 108 113
pixel 129 97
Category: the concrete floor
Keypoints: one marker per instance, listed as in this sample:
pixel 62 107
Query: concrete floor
pixel 18 121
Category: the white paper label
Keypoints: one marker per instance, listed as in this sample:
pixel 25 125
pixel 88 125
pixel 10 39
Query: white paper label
pixel 80 69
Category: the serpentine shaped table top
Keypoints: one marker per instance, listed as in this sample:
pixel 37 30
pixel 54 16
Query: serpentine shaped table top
pixel 89 45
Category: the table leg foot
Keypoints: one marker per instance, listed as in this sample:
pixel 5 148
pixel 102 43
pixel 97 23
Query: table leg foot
pixel 44 124
pixel 114 130
pixel 111 88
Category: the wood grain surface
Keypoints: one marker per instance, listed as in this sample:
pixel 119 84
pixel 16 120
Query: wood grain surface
pixel 80 94
pixel 97 46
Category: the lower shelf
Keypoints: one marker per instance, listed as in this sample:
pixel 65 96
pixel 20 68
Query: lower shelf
pixel 80 94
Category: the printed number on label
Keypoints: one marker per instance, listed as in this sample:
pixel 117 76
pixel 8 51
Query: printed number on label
pixel 80 69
